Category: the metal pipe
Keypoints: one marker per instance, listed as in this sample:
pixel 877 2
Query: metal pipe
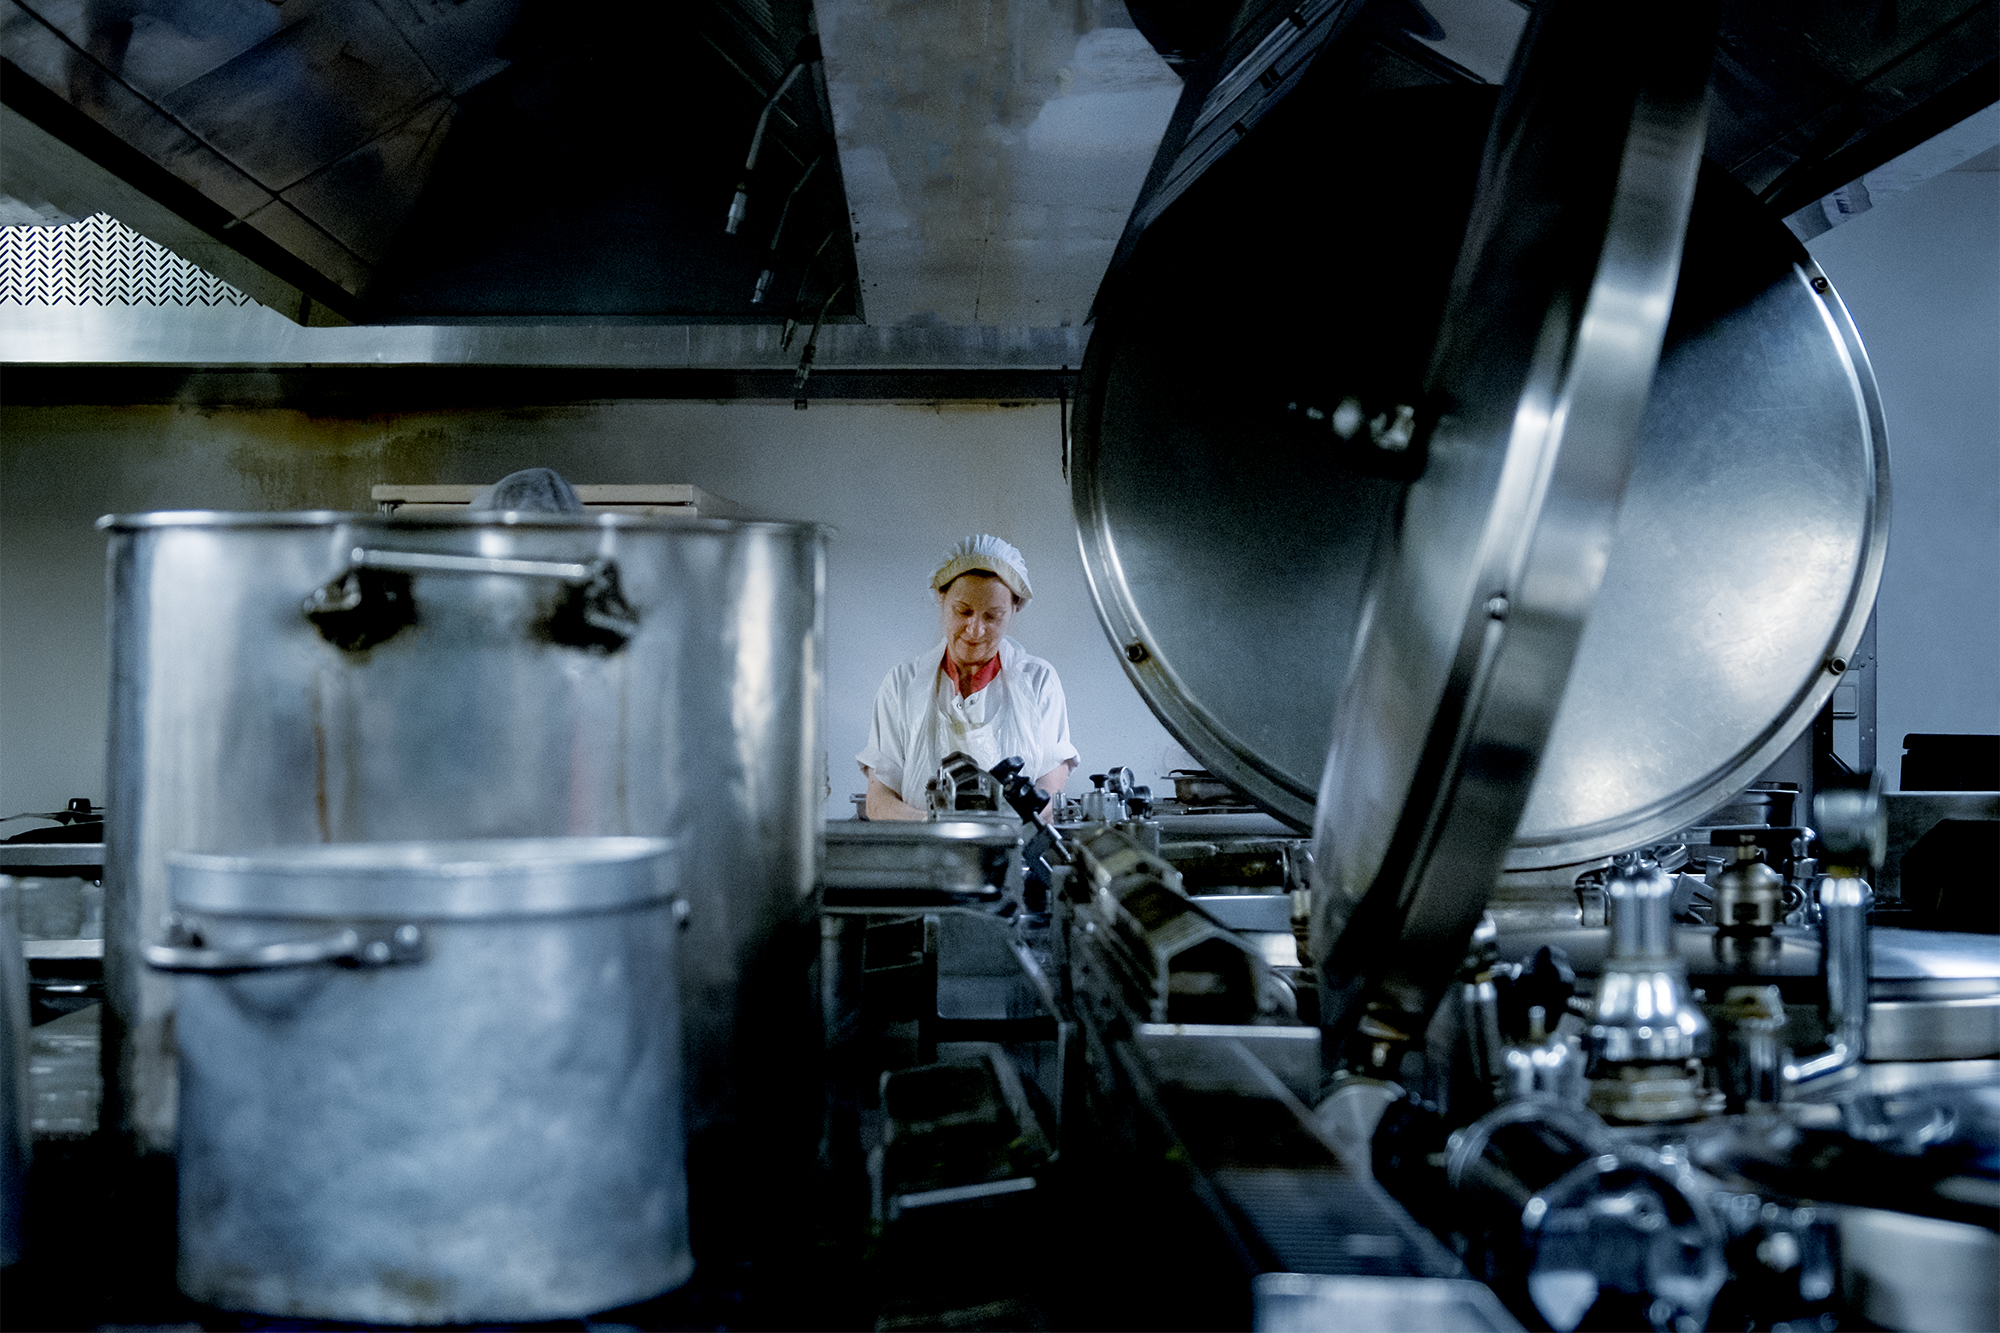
pixel 1844 903
pixel 1853 829
pixel 778 232
pixel 1482 1027
pixel 740 205
pixel 812 347
pixel 805 277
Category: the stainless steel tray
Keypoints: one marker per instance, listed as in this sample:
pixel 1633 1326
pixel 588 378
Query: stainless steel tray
pixel 879 863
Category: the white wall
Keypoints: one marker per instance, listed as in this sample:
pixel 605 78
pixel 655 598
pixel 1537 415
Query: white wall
pixel 1921 275
pixel 898 484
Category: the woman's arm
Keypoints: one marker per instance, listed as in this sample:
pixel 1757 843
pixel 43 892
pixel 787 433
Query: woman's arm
pixel 886 803
pixel 1053 782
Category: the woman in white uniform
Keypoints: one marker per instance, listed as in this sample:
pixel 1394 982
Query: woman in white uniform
pixel 978 691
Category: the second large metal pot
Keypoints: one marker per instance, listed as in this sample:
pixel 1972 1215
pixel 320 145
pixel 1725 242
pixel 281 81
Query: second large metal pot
pixel 298 678
pixel 429 1082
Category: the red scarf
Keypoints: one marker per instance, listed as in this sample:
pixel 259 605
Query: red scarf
pixel 980 678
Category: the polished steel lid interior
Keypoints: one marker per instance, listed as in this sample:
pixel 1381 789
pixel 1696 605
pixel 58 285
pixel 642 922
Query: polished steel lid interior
pixel 1229 540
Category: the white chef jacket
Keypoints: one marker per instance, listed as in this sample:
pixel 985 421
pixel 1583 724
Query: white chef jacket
pixel 920 718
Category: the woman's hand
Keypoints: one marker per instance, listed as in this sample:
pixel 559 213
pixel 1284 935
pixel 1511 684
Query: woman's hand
pixel 885 803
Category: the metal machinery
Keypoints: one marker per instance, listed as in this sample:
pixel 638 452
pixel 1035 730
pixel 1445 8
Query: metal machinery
pixel 1522 498
pixel 1539 532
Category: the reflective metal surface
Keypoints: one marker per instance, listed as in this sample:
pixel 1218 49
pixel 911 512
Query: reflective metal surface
pixel 1174 962
pixel 35 857
pixel 424 880
pixel 1845 953
pixel 1197 511
pixel 1551 333
pixel 1934 995
pixel 1643 1011
pixel 1967 1029
pixel 1630 1223
pixel 318 131
pixel 1936 954
pixel 1904 963
pixel 1310 1302
pixel 964 858
pixel 189 336
pixel 16 1142
pixel 492 1131
pixel 989 157
pixel 1904 1271
pixel 237 726
pixel 1912 815
pixel 1764 432
pixel 1226 557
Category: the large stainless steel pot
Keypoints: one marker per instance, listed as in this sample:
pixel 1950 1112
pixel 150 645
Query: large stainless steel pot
pixel 299 678
pixel 429 1082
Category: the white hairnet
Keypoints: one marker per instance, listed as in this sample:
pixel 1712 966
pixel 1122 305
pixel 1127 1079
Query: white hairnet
pixel 988 553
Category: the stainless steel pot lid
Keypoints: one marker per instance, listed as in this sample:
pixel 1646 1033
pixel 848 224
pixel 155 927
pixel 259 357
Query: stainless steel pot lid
pixel 1551 333
pixel 1228 549
pixel 474 877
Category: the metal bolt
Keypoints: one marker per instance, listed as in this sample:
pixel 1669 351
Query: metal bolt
pixel 1392 432
pixel 1496 607
pixel 377 951
pixel 1348 417
pixel 1836 665
pixel 1820 285
pixel 1780 1252
pixel 1135 651
pixel 682 911
pixel 407 936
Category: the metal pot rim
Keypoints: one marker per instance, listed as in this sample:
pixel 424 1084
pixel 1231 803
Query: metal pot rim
pixel 861 831
pixel 333 518
pixel 466 878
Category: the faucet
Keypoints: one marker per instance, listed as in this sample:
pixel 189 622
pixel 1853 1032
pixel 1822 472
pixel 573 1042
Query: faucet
pixel 1854 831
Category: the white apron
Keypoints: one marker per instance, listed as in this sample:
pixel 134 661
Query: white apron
pixel 991 725
pixel 919 719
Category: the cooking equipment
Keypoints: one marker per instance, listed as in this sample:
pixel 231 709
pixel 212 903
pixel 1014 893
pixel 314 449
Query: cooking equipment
pixel 1198 788
pixel 882 865
pixel 1553 327
pixel 317 677
pixel 1229 548
pixel 429 1082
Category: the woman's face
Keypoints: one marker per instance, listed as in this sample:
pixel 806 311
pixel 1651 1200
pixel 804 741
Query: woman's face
pixel 977 610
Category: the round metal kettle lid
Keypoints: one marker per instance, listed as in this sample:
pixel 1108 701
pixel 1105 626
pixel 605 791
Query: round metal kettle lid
pixel 1231 535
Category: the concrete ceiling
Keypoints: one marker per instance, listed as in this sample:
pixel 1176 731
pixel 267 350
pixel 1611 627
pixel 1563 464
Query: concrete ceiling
pixel 992 151
pixel 413 161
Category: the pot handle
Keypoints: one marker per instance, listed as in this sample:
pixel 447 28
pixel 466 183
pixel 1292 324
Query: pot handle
pixel 349 946
pixel 370 601
pixel 437 562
